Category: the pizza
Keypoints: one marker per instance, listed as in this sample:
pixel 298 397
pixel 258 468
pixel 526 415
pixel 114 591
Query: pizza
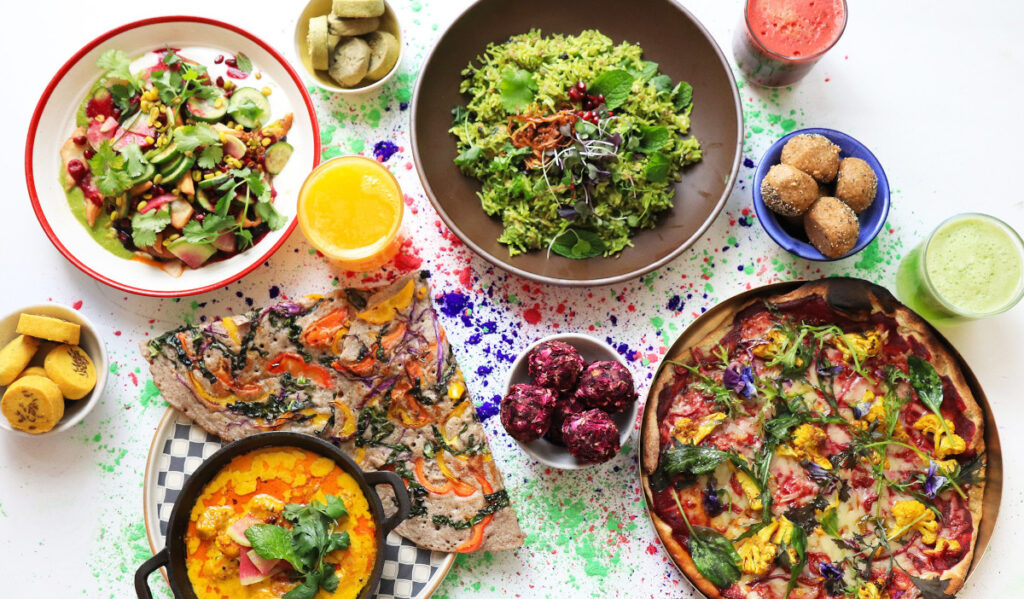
pixel 821 443
pixel 372 372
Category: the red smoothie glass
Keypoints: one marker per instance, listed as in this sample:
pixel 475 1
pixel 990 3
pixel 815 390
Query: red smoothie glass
pixel 779 41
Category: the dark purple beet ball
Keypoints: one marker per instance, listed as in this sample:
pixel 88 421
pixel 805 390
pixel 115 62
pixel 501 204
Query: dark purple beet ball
pixel 568 404
pixel 591 436
pixel 555 365
pixel 526 411
pixel 607 386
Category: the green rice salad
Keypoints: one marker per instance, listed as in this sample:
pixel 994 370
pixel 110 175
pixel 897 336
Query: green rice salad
pixel 576 141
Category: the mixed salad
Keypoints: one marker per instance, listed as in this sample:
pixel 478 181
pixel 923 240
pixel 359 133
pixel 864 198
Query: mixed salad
pixel 577 141
pixel 174 165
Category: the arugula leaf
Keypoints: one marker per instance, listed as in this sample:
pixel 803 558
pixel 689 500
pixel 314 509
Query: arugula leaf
pixel 273 542
pixel 777 429
pixel 145 225
pixel 243 63
pixel 693 459
pixel 652 139
pixel 460 115
pixel 190 137
pixel 578 244
pixel 469 155
pixel 798 541
pixel 656 169
pixel 714 556
pixel 210 156
pixel 926 382
pixel 517 88
pixel 135 163
pixel 107 168
pixel 830 522
pixel 615 85
pixel 682 95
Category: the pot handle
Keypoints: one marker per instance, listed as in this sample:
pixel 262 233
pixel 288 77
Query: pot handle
pixel 383 477
pixel 142 574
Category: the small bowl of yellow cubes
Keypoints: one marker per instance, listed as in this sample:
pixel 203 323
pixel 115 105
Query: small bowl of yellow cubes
pixel 53 367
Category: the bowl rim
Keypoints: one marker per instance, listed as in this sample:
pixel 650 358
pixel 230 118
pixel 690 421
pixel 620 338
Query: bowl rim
pixel 100 364
pixel 351 91
pixel 503 263
pixel 625 433
pixel 789 243
pixel 46 97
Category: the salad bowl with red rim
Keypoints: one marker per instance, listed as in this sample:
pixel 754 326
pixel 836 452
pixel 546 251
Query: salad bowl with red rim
pixel 54 120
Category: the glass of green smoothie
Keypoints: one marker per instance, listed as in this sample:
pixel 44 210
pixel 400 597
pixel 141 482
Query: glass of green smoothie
pixel 971 266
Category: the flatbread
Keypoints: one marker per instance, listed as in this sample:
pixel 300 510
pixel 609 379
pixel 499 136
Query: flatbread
pixel 370 371
pixel 857 308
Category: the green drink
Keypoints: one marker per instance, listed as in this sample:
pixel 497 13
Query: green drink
pixel 971 266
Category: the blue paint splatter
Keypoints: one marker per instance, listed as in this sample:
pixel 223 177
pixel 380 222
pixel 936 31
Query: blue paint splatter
pixel 455 304
pixel 748 163
pixel 745 221
pixel 483 370
pixel 384 150
pixel 275 291
pixel 675 303
pixel 403 105
pixel 489 408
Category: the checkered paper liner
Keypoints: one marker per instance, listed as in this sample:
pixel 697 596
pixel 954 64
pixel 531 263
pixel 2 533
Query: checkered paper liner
pixel 181 446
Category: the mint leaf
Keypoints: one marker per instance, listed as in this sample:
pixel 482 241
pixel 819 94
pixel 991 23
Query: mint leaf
pixel 145 225
pixel 135 164
pixel 243 63
pixel 578 244
pixel 468 156
pixel 273 542
pixel 210 156
pixel 656 170
pixel 652 139
pixel 517 89
pixel 663 83
pixel 615 85
pixel 682 95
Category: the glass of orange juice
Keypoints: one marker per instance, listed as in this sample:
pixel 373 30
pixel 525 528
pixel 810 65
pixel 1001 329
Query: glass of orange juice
pixel 350 208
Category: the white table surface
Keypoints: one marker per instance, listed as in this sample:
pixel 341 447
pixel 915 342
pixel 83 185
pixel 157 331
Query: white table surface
pixel 933 88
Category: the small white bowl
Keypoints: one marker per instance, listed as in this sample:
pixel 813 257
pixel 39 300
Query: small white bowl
pixel 592 350
pixel 316 8
pixel 90 342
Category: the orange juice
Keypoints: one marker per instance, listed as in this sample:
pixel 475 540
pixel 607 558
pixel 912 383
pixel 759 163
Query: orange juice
pixel 350 208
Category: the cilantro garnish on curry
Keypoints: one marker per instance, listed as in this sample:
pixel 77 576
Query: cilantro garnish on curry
pixel 172 164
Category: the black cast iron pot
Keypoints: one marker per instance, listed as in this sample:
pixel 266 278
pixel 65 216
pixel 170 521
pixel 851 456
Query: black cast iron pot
pixel 173 555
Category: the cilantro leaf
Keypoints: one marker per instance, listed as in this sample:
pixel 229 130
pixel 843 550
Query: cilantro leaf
pixel 656 170
pixel 517 89
pixel 246 108
pixel 271 216
pixel 273 542
pixel 145 225
pixel 682 95
pixel 243 63
pixel 190 137
pixel 113 60
pixel 210 156
pixel 107 168
pixel 469 155
pixel 135 163
pixel 615 85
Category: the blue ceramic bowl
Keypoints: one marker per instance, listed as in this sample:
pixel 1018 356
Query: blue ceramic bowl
pixel 795 242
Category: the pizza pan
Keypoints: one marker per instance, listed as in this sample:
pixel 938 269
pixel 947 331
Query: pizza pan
pixel 718 314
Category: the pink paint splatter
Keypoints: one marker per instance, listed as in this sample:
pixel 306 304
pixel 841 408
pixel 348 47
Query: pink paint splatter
pixel 532 316
pixel 77 305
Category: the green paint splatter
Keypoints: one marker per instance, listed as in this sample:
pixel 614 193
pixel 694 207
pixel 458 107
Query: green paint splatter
pixel 330 152
pixel 150 394
pixel 870 257
pixel 327 134
pixel 356 144
pixel 114 367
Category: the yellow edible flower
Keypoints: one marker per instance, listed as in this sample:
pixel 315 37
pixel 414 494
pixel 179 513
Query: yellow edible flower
pixel 456 390
pixel 864 345
pixel 913 515
pixel 386 310
pixel 692 432
pixel 868 590
pixel 806 444
pixel 757 552
pixel 942 546
pixel 945 445
pixel 775 341
pixel 750 489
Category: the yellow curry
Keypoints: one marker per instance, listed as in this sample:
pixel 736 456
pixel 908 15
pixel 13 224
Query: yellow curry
pixel 254 488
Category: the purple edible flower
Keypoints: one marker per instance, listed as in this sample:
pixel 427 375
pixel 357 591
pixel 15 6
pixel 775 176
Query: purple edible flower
pixel 740 380
pixel 830 370
pixel 287 308
pixel 830 571
pixel 816 472
pixel 860 410
pixel 933 481
pixel 712 503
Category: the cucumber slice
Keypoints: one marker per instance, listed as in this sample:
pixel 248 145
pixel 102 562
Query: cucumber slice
pixel 146 175
pixel 174 172
pixel 164 155
pixel 277 156
pixel 213 182
pixel 248 106
pixel 203 200
pixel 206 110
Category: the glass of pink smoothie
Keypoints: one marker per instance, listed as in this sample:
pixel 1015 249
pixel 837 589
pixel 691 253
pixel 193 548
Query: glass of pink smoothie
pixel 779 41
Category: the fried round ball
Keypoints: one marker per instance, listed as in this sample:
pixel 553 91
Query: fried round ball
pixel 856 184
pixel 787 190
pixel 813 154
pixel 591 436
pixel 606 385
pixel 832 227
pixel 555 365
pixel 568 404
pixel 526 411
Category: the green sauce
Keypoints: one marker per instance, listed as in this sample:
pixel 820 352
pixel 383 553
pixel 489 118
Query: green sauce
pixel 76 201
pixel 975 264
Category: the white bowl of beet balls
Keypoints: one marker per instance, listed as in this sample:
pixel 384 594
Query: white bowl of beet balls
pixel 821 194
pixel 570 401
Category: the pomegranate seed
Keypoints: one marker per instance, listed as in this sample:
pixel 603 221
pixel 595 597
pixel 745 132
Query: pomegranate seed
pixel 581 86
pixel 80 140
pixel 89 153
pixel 219 59
pixel 220 82
pixel 599 98
pixel 231 62
pixel 76 168
pixel 199 217
pixel 588 115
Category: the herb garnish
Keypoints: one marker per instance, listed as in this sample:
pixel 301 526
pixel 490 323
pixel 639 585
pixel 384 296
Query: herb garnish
pixel 713 555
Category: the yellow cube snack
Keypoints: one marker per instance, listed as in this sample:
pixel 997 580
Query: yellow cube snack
pixel 15 356
pixel 51 329
pixel 33 404
pixel 32 371
pixel 71 369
